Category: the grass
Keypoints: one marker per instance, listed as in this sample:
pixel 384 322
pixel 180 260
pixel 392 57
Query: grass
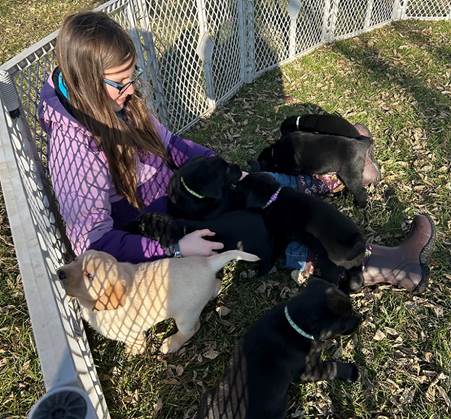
pixel 395 80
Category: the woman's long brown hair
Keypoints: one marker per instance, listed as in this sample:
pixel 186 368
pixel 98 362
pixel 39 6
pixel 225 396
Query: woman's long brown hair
pixel 87 45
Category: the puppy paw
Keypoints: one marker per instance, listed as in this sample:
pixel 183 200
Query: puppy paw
pixel 349 372
pixel 361 198
pixel 356 282
pixel 361 203
pixel 354 376
pixel 169 346
pixel 352 282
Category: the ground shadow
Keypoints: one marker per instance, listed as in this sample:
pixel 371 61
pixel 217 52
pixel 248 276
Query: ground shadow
pixel 382 71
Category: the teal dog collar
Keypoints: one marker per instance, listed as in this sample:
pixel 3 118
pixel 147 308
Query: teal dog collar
pixel 295 326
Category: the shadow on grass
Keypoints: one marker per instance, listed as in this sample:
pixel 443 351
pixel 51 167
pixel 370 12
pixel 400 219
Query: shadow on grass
pixel 385 72
pixel 419 38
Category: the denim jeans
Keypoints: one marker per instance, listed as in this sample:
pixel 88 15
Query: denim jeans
pixel 296 253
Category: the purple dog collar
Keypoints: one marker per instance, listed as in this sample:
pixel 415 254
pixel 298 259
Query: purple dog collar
pixel 273 198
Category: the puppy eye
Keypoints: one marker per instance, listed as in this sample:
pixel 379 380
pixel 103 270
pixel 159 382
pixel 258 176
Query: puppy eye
pixel 89 275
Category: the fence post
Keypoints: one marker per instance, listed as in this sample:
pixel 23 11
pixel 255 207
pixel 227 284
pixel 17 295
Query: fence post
pixel 204 50
pixel 369 10
pixel 243 39
pixel 134 34
pixel 249 19
pixel 293 8
pixel 333 19
pixel 159 102
pixel 330 18
pixel 396 11
pixel 404 4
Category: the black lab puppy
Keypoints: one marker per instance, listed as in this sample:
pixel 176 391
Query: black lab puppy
pixel 202 188
pixel 292 215
pixel 243 230
pixel 322 124
pixel 309 153
pixel 283 346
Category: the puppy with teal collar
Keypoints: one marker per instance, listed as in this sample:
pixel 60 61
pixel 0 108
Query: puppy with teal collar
pixel 284 346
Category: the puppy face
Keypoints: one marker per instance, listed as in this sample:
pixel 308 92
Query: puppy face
pixel 279 157
pixel 96 279
pixel 255 190
pixel 324 311
pixel 208 176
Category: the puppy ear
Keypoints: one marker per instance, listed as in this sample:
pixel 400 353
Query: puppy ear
pixel 255 200
pixel 212 188
pixel 337 301
pixel 112 298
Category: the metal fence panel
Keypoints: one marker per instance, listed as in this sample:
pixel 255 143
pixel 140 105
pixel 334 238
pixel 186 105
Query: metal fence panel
pixel 427 9
pixel 271 33
pixel 309 25
pixel 223 25
pixel 381 12
pixel 350 18
pixel 175 30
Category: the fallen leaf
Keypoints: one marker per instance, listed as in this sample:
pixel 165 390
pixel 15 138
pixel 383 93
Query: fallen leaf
pixel 210 354
pixel 179 370
pixel 223 311
pixel 428 356
pixel 444 396
pixel 379 335
pixel 158 406
pixel 407 395
pixel 170 381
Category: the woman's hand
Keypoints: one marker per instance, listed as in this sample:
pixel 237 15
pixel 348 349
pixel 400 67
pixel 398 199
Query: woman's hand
pixel 194 244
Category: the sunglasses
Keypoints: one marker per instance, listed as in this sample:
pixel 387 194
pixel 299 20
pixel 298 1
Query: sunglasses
pixel 122 87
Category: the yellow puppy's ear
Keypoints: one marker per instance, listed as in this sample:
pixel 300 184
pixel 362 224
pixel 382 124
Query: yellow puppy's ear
pixel 112 298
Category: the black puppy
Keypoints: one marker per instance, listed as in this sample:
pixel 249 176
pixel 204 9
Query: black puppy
pixel 332 124
pixel 309 153
pixel 242 230
pixel 281 347
pixel 202 188
pixel 292 215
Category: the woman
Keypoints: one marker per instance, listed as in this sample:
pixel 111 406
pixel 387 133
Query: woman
pixel 110 159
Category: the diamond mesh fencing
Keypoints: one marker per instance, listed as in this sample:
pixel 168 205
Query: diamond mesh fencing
pixel 174 28
pixel 223 27
pixel 309 25
pixel 424 9
pixel 381 12
pixel 271 33
pixel 195 54
pixel 350 17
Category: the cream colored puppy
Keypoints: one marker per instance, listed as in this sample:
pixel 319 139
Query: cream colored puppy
pixel 122 300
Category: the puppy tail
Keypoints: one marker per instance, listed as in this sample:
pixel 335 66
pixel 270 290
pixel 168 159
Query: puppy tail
pixel 218 261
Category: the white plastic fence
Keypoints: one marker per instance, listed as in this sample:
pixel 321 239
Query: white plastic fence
pixel 196 54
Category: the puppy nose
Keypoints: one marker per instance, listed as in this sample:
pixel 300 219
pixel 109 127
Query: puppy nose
pixel 61 274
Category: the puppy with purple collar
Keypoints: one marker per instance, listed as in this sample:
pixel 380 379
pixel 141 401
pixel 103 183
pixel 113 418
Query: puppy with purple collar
pixel 291 215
